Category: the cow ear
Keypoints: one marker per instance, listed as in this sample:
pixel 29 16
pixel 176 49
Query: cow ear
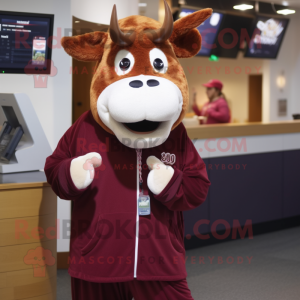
pixel 85 47
pixel 186 39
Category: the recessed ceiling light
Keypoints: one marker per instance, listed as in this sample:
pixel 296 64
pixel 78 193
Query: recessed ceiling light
pixel 243 6
pixel 142 4
pixel 285 3
pixel 286 11
pixel 77 21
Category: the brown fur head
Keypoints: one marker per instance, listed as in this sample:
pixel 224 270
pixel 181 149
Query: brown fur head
pixel 184 42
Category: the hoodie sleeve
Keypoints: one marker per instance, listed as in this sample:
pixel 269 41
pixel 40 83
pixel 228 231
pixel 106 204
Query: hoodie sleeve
pixel 188 187
pixel 222 114
pixel 196 110
pixel 57 170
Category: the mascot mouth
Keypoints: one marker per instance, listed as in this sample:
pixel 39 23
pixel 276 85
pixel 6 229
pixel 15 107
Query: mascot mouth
pixel 144 126
pixel 140 118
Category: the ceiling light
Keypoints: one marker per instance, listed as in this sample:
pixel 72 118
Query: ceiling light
pixel 286 11
pixel 243 6
pixel 77 21
pixel 285 3
pixel 142 4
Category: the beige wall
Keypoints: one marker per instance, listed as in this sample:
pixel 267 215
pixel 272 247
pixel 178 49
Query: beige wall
pixel 288 64
pixel 199 70
pixel 99 11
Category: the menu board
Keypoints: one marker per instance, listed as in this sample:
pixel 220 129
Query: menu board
pixel 25 42
pixel 266 38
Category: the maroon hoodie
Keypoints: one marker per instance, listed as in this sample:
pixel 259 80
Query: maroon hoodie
pixel 216 111
pixel 110 242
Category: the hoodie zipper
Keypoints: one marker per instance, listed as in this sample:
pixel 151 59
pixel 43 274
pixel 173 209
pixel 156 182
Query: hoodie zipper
pixel 137 218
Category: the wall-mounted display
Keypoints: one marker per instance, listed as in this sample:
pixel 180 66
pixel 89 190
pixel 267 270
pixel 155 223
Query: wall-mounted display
pixel 25 42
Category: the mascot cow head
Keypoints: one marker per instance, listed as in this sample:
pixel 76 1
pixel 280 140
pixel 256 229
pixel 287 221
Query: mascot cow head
pixel 139 91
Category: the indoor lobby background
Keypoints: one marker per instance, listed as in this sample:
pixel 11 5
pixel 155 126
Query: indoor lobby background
pixel 268 160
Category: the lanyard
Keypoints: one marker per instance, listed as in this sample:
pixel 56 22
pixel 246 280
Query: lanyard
pixel 143 200
pixel 139 156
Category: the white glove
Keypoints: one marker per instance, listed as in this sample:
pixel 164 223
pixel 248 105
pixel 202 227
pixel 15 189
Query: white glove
pixel 159 176
pixel 82 169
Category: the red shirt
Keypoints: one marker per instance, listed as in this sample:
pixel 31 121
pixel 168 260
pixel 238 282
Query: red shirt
pixel 217 111
pixel 104 245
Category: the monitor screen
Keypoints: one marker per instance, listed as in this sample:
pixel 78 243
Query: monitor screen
pixel 230 34
pixel 266 37
pixel 25 42
pixel 208 30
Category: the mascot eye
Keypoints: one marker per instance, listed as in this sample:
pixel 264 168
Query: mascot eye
pixel 158 64
pixel 158 60
pixel 124 64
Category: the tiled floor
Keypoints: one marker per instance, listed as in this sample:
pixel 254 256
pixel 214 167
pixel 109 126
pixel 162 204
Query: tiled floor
pixel 266 267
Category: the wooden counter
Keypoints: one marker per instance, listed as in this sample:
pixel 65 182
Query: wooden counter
pixel 242 129
pixel 27 237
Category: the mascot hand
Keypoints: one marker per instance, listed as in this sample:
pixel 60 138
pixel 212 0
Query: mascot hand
pixel 159 176
pixel 82 169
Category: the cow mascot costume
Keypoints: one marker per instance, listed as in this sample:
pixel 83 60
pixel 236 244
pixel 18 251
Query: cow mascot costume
pixel 128 165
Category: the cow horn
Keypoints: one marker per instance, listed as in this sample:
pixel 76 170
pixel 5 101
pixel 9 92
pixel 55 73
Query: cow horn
pixel 166 30
pixel 116 34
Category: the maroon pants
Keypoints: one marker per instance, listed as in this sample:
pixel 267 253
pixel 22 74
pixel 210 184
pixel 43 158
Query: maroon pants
pixel 139 290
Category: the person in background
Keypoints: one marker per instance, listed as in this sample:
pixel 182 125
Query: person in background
pixel 216 110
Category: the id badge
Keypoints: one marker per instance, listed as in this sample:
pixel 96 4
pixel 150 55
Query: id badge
pixel 144 205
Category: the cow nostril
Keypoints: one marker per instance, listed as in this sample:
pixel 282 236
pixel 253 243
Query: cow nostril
pixel 136 83
pixel 152 82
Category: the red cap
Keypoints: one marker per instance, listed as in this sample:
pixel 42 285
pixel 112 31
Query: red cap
pixel 214 83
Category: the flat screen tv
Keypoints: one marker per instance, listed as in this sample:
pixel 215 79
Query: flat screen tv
pixel 25 42
pixel 208 30
pixel 266 37
pixel 232 29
